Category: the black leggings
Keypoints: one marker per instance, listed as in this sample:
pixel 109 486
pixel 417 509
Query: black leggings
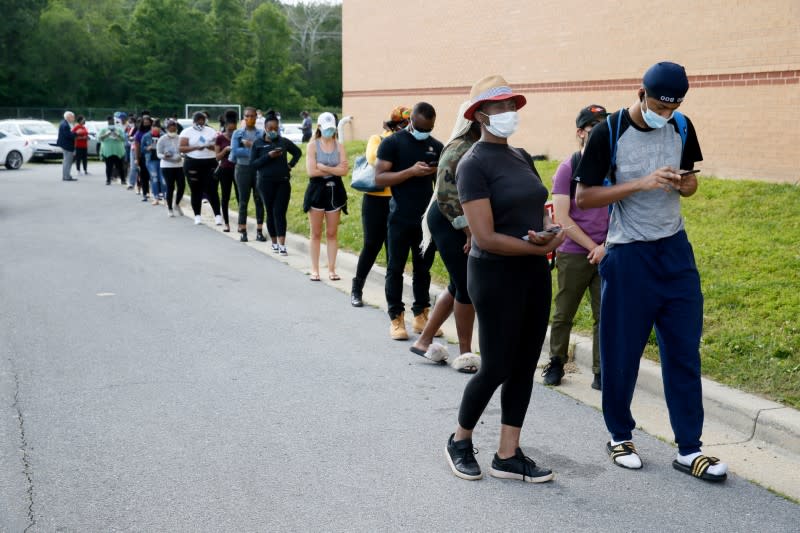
pixel 81 156
pixel 512 302
pixel 174 176
pixel 225 186
pixel 144 176
pixel 374 216
pixel 112 162
pixel 200 175
pixel 275 194
pixel 450 244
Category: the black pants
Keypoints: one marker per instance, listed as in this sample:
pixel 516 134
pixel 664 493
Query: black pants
pixel 275 194
pixel 402 239
pixel 174 178
pixel 245 176
pixel 450 244
pixel 374 216
pixel 511 296
pixel 225 186
pixel 81 156
pixel 200 175
pixel 144 176
pixel 112 162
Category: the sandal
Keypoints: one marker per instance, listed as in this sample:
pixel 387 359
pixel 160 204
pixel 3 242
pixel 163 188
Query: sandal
pixel 699 468
pixel 623 449
pixel 333 276
pixel 467 363
pixel 314 277
pixel 435 352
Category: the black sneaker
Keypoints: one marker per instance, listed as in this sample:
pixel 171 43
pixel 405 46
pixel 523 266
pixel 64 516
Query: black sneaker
pixel 597 384
pixel 461 458
pixel 243 237
pixel 553 373
pixel 521 467
pixel 260 237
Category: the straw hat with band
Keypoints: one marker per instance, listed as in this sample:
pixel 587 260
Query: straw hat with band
pixel 491 89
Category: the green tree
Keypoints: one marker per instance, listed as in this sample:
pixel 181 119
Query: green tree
pixel 228 28
pixel 20 18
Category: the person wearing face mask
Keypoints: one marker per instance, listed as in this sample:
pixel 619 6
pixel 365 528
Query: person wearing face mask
pixel 508 280
pixel 578 257
pixel 149 142
pixel 268 157
pixel 649 275
pixel 197 147
pixel 169 154
pixel 407 162
pixel 222 148
pixel 326 197
pixel 143 127
pixel 245 175
pixel 112 149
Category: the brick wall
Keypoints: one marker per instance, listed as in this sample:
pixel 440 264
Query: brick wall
pixel 742 57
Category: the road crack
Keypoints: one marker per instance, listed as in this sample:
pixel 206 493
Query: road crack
pixel 27 469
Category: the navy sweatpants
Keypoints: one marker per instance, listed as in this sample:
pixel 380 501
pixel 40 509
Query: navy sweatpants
pixel 646 284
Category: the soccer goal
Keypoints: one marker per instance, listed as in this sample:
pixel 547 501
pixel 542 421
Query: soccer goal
pixel 210 108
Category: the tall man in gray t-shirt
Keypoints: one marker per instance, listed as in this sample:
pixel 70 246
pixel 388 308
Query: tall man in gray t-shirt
pixel 649 276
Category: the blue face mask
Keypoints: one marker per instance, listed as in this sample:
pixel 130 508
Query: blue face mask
pixel 272 135
pixel 328 132
pixel 418 135
pixel 654 120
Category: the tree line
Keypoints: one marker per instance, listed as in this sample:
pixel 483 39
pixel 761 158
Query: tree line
pixel 162 54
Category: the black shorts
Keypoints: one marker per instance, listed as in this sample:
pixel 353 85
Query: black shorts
pixel 325 194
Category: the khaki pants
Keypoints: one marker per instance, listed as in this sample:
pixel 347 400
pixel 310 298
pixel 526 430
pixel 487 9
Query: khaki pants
pixel 575 275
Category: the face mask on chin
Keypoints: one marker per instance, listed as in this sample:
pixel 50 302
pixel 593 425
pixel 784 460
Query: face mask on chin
pixel 652 119
pixel 502 125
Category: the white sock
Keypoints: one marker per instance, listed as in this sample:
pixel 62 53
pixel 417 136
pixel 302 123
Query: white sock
pixel 717 469
pixel 629 461
pixel 197 219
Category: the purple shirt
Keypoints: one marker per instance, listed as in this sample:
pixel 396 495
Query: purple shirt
pixel 593 221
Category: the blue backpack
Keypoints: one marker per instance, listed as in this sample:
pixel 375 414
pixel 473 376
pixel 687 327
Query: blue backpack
pixel 613 139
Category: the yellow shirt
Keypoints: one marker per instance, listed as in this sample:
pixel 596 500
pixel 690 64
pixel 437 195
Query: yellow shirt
pixel 372 156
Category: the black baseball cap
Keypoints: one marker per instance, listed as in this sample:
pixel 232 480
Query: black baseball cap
pixel 590 115
pixel 666 82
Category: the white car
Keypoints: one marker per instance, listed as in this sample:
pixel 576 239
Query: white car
pixel 94 127
pixel 293 132
pixel 40 134
pixel 14 151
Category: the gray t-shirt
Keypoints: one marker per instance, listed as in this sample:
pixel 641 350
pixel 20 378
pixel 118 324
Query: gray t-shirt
pixel 646 215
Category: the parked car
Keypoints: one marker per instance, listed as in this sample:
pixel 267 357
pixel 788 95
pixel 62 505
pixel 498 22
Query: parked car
pixel 293 132
pixel 14 151
pixel 40 134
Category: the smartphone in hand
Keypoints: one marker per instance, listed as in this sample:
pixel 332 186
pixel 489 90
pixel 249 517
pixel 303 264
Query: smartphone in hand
pixel 689 172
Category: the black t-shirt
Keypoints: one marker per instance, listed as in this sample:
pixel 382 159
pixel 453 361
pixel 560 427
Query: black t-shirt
pixel 410 198
pixel 508 179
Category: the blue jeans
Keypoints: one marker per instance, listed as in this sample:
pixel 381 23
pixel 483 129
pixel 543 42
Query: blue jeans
pixel 134 171
pixel 157 185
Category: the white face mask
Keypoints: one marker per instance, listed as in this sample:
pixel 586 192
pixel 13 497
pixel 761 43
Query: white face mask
pixel 172 133
pixel 503 125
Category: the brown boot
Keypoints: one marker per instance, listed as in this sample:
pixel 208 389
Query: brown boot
pixel 398 328
pixel 421 320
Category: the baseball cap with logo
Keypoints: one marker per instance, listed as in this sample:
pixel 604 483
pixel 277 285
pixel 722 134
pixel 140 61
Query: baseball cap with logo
pixel 666 82
pixel 326 120
pixel 590 115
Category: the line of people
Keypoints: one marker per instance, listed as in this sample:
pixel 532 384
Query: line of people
pixel 481 203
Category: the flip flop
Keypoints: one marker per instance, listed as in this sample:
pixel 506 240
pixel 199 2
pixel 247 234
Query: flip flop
pixel 699 468
pixel 334 277
pixel 467 363
pixel 314 277
pixel 436 353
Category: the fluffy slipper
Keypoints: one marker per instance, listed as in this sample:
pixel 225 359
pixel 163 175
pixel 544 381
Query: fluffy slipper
pixel 468 363
pixel 699 468
pixel 436 353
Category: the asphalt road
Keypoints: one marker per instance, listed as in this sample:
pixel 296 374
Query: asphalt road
pixel 155 376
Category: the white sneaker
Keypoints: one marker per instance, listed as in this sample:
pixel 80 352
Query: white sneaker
pixel 170 214
pixel 218 220
pixel 178 210
pixel 282 250
pixel 197 220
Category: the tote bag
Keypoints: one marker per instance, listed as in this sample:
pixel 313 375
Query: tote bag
pixel 364 176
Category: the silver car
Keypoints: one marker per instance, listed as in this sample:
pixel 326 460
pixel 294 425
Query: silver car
pixel 40 134
pixel 94 127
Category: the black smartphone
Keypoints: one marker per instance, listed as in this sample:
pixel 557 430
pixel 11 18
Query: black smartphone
pixel 689 172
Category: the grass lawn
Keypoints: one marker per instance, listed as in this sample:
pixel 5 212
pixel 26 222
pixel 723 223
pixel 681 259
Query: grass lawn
pixel 746 237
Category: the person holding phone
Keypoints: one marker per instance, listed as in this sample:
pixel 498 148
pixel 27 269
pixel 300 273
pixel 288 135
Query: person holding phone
pixel 268 157
pixel 508 280
pixel 407 162
pixel 326 197
pixel 578 257
pixel 648 253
